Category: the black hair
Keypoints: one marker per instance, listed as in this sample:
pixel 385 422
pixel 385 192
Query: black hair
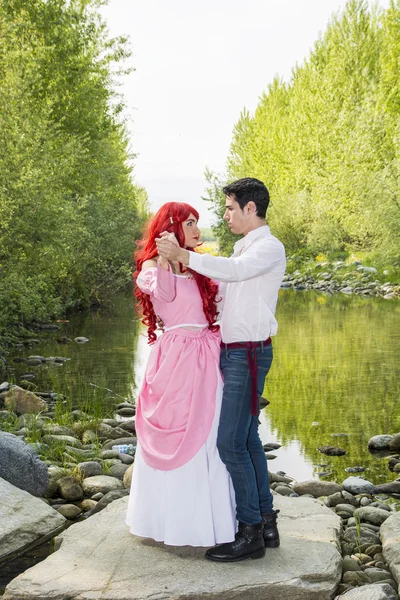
pixel 248 190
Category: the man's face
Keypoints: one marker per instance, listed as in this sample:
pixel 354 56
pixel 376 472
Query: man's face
pixel 236 218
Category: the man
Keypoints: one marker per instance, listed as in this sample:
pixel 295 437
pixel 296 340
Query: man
pixel 250 278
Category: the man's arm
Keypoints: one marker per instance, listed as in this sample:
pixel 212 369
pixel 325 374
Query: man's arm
pixel 256 261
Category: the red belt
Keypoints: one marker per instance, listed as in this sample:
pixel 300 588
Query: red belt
pixel 251 348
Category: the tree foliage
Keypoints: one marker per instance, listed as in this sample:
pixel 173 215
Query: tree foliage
pixel 327 142
pixel 69 210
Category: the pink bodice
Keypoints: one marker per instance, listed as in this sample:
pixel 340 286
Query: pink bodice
pixel 176 402
pixel 175 298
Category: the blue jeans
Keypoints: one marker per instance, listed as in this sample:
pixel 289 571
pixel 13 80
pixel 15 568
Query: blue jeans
pixel 238 442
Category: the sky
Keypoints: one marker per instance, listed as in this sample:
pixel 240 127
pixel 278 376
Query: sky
pixel 198 64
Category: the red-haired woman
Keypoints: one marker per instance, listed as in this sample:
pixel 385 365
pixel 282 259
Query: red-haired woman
pixel 181 492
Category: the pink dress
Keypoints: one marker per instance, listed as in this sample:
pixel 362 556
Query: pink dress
pixel 181 492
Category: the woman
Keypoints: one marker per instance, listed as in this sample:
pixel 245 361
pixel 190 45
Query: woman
pixel 181 492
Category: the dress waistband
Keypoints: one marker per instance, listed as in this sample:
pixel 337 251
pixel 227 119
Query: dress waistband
pixel 251 348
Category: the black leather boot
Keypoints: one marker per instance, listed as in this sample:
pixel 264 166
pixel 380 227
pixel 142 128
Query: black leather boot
pixel 270 533
pixel 248 543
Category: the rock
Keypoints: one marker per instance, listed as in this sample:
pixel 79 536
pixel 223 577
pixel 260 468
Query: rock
pixel 366 536
pixel 372 550
pixel 128 477
pixel 393 487
pixel 25 520
pixel 126 412
pixel 334 499
pixel 51 429
pixel 355 578
pixel 40 358
pixel 100 558
pixel 332 450
pixel 357 485
pixel 89 436
pixel 125 405
pixel 90 468
pixel 70 489
pixel 377 574
pixel 381 505
pixel 348 508
pixel 62 440
pixel 69 511
pixel 34 362
pixel 119 470
pixel 390 536
pixel 362 558
pixel 107 499
pixel 100 483
pixel 112 422
pixel 22 401
pixel 349 564
pixel 271 446
pixel 21 466
pixel 342 588
pixel 124 440
pixel 373 515
pixel 394 443
pixel 283 490
pixel 364 501
pixel 4 387
pixel 371 592
pixel 355 469
pixel 379 442
pixel 276 478
pixel 105 454
pixel 126 459
pixel 105 431
pixel 88 504
pixel 317 488
pixel 81 340
pixel 349 498
pixel 97 496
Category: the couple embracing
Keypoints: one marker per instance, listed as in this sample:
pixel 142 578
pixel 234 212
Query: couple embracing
pixel 200 475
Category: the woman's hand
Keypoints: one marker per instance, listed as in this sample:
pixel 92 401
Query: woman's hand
pixel 169 236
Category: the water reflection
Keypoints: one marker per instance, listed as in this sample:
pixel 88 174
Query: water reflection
pixel 336 370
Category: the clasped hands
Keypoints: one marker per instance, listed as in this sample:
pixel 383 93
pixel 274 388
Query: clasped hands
pixel 168 246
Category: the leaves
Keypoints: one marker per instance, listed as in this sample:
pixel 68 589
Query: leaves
pixel 69 210
pixel 327 143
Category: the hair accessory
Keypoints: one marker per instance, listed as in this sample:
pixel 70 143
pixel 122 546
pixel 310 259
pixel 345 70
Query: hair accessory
pixel 172 221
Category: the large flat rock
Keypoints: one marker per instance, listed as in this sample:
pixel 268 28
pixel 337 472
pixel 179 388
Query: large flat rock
pixel 100 559
pixel 390 537
pixel 24 520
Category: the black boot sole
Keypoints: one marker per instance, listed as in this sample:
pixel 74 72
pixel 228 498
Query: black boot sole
pixel 257 554
pixel 271 543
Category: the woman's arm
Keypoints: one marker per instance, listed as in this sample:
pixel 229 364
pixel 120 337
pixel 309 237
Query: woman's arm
pixel 156 279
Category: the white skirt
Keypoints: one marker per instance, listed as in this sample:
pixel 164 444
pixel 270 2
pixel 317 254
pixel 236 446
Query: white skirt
pixel 193 505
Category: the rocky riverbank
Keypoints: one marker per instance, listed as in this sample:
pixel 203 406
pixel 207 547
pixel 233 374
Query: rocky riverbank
pixel 73 467
pixel 340 276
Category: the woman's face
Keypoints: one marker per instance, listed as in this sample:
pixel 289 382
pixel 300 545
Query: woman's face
pixel 191 232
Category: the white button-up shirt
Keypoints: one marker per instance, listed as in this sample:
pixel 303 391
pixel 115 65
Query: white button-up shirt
pixel 250 281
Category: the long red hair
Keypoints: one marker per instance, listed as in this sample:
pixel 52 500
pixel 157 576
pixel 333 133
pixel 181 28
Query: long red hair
pixel 170 218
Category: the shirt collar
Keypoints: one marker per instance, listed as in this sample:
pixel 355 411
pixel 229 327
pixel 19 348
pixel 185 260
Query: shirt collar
pixel 253 235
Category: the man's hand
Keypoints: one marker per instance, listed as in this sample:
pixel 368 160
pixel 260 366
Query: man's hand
pixel 169 236
pixel 168 250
